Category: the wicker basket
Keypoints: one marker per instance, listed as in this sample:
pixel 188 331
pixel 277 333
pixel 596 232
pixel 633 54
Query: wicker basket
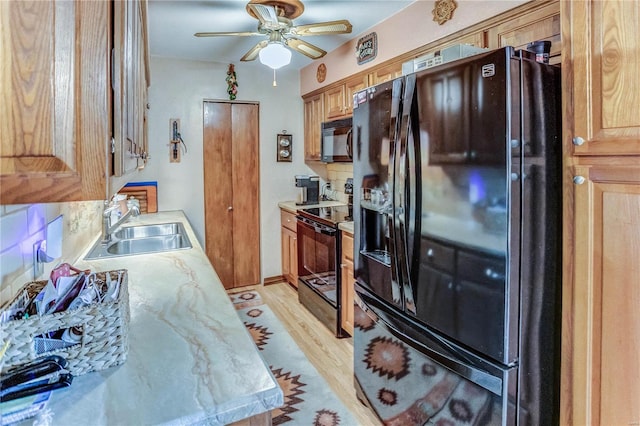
pixel 105 338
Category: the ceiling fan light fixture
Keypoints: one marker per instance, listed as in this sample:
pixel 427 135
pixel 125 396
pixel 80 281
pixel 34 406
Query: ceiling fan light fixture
pixel 275 55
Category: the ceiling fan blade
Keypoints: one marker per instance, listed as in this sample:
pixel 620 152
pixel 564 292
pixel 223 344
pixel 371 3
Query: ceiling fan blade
pixel 219 34
pixel 265 14
pixel 331 27
pixel 252 54
pixel 308 49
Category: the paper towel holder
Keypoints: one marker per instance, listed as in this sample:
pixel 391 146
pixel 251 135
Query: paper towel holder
pixel 42 254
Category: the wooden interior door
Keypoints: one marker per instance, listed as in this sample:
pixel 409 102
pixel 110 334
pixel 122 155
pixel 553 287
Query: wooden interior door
pixel 246 202
pixel 231 187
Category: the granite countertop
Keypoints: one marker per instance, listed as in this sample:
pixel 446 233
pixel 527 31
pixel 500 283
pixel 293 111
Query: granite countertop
pixel 191 360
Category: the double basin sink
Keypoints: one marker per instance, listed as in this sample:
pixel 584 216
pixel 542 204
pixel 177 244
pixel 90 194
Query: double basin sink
pixel 142 239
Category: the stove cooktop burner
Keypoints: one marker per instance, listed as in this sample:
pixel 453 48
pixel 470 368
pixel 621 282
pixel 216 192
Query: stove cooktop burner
pixel 330 215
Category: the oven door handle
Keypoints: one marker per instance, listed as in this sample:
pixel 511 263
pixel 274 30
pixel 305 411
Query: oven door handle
pixel 325 231
pixel 318 228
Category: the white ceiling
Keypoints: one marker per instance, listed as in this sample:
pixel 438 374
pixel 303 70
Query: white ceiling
pixel 172 24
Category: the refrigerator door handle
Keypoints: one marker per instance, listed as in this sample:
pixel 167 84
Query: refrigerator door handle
pixel 391 211
pixel 406 193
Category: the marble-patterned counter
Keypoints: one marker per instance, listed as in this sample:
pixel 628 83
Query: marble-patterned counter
pixel 346 227
pixel 191 360
pixel 292 207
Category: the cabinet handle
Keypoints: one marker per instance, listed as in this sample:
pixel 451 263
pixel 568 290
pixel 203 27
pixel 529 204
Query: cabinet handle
pixel 229 208
pixel 578 180
pixel 430 253
pixel 577 141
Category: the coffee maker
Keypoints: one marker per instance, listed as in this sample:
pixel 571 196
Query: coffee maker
pixel 309 189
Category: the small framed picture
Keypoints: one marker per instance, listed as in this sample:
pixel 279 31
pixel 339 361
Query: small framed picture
pixel 284 147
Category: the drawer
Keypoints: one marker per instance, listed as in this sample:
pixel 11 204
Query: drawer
pixel 288 220
pixel 347 247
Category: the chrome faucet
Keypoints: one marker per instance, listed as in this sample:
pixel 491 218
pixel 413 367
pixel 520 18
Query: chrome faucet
pixel 107 227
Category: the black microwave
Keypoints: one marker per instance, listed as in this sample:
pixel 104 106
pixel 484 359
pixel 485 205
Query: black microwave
pixel 336 141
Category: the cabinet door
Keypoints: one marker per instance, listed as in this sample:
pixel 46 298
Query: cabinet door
pixel 289 256
pixel 313 116
pixel 286 259
pixel 604 320
pixel 334 102
pixel 386 73
pixel 351 87
pixel 603 55
pixel 347 284
pixel 130 85
pixel 54 105
pixel 540 24
pixel 347 300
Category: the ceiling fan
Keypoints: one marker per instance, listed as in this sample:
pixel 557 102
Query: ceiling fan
pixel 276 22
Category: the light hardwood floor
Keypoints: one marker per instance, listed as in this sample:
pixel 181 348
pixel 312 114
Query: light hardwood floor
pixel 332 357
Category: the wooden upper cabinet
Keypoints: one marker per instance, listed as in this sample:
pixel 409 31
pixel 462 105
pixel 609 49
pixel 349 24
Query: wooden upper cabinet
pixel 338 100
pixel 604 71
pixel 386 73
pixel 351 87
pixel 131 82
pixel 540 24
pixel 334 102
pixel 54 106
pixel 313 117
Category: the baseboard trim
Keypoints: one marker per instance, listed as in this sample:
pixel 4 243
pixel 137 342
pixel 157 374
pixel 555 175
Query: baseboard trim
pixel 274 280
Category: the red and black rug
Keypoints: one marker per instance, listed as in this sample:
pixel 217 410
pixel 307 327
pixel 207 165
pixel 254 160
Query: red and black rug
pixel 308 399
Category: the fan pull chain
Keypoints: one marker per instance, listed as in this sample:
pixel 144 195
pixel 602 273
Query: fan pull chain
pixel 274 78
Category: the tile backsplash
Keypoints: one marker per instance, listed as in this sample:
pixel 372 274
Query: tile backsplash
pixel 22 225
pixel 337 174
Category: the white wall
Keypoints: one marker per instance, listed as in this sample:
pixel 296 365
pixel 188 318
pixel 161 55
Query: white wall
pixel 177 90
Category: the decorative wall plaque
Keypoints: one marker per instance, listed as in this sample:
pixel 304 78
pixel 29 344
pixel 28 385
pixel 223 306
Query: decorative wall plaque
pixel 321 73
pixel 367 48
pixel 443 10
pixel 284 147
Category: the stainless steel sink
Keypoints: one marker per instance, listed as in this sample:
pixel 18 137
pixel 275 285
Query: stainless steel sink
pixel 143 239
pixel 149 244
pixel 144 231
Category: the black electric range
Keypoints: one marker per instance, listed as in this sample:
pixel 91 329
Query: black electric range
pixel 319 252
pixel 330 216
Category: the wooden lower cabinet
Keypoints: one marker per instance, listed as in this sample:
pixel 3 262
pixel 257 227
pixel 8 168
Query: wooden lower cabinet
pixel 289 241
pixel 231 191
pixel 348 281
pixel 602 322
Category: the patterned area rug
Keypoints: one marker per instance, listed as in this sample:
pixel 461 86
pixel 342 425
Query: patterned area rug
pixel 308 399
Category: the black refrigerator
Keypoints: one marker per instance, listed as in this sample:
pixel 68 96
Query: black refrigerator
pixel 457 221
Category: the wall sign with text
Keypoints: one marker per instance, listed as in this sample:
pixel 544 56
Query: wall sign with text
pixel 367 48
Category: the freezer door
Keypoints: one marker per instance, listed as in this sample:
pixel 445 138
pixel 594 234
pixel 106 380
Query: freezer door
pixel 410 376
